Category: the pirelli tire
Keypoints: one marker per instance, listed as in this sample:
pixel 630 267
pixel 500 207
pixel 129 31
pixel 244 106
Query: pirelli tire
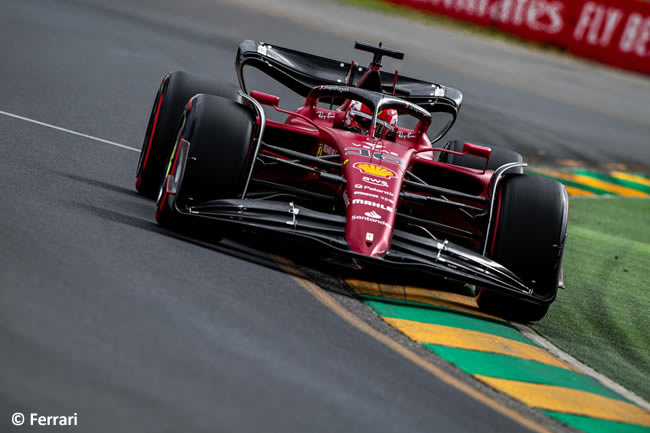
pixel 498 157
pixel 527 236
pixel 220 135
pixel 175 90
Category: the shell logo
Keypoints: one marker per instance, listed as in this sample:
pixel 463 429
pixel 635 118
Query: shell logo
pixel 375 170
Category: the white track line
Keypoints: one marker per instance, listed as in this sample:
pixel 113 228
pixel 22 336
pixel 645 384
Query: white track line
pixel 558 353
pixel 69 131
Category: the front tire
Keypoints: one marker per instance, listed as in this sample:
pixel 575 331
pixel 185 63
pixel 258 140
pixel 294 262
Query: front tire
pixel 174 92
pixel 528 236
pixel 219 132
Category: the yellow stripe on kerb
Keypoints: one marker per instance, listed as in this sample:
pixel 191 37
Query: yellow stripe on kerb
pixel 570 162
pixel 610 187
pixel 453 301
pixel 473 340
pixel 630 178
pixel 377 289
pixel 573 191
pixel 571 401
pixel 595 183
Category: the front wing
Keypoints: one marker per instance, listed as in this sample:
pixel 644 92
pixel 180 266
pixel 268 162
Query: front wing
pixel 408 251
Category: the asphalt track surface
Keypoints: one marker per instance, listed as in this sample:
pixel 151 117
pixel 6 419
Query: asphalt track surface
pixel 106 315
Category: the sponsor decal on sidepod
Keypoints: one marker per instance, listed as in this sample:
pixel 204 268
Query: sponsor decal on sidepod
pixel 324 149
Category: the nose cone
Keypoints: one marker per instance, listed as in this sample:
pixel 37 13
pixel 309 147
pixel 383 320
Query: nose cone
pixel 369 229
pixel 371 196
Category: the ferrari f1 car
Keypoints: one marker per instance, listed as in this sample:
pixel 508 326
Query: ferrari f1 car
pixel 354 169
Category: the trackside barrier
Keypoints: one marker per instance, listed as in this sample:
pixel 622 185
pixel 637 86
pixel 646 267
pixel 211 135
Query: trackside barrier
pixel 615 32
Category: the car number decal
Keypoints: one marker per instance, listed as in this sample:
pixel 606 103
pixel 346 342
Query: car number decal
pixel 381 156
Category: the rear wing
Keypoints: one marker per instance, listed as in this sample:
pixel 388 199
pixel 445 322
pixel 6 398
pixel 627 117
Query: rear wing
pixel 303 71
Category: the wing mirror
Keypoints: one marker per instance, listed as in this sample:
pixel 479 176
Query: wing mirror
pixel 265 98
pixel 481 151
pixel 475 149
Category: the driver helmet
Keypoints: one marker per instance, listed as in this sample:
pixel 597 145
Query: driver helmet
pixel 358 117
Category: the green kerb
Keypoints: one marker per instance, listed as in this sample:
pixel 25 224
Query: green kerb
pixel 439 316
pixel 614 180
pixel 523 370
pixel 593 425
pixel 581 186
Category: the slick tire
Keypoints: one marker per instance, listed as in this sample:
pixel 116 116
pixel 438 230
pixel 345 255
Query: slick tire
pixel 499 157
pixel 220 133
pixel 174 92
pixel 527 237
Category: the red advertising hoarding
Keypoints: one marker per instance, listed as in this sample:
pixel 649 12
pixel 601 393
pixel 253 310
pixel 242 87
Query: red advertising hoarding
pixel 615 32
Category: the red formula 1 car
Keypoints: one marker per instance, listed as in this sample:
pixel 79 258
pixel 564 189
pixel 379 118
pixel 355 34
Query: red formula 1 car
pixel 354 169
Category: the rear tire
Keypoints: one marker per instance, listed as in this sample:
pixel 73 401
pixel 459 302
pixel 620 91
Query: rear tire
pixel 530 224
pixel 220 133
pixel 498 157
pixel 174 92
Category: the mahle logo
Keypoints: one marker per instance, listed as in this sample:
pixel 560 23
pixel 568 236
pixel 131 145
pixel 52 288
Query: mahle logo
pixel 372 204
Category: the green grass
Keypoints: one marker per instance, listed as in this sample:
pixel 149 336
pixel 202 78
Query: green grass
pixel 603 317
pixel 448 22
